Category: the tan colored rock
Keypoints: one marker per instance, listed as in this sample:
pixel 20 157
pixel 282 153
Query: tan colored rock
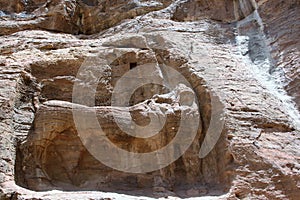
pixel 12 6
pixel 238 56
pixel 225 11
pixel 75 17
pixel 58 142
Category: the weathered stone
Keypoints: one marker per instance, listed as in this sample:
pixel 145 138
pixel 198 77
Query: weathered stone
pixel 45 147
pixel 240 57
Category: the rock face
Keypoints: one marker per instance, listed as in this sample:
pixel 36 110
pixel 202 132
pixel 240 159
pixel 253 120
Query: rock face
pixel 283 45
pixel 59 143
pixel 76 17
pixel 238 91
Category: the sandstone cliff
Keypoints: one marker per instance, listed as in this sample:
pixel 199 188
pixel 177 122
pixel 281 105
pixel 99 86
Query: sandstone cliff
pixel 224 73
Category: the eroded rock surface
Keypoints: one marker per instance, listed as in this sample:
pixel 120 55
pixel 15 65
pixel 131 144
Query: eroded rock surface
pixel 58 142
pixel 241 59
pixel 76 17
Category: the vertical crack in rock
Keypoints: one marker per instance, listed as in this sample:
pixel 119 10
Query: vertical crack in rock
pixel 253 43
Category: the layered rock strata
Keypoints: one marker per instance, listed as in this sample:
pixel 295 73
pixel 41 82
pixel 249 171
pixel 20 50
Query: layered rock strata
pixel 240 58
